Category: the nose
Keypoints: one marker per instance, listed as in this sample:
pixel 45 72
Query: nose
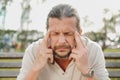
pixel 62 39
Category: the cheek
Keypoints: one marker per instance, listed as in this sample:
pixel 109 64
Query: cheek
pixel 71 42
pixel 53 42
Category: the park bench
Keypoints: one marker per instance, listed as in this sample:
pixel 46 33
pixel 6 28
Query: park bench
pixel 10 64
pixel 112 64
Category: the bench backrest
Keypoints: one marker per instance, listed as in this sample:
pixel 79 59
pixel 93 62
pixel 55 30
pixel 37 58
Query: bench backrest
pixel 10 64
pixel 112 64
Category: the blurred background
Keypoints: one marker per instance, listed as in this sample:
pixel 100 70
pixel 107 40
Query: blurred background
pixel 24 21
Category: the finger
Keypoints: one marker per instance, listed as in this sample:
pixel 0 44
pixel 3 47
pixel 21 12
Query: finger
pixel 81 40
pixel 49 51
pixel 50 57
pixel 75 51
pixel 46 38
pixel 79 43
pixel 73 56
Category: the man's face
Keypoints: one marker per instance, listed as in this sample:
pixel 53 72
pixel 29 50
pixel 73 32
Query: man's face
pixel 62 35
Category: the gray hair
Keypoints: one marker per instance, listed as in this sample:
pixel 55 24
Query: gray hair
pixel 61 11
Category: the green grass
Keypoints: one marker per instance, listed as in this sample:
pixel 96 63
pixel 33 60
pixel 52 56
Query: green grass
pixel 10 60
pixel 115 78
pixel 112 50
pixel 7 78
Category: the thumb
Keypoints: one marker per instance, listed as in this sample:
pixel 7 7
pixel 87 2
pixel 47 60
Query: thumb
pixel 50 58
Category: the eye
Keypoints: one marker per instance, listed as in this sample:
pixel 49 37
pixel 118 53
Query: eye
pixel 54 33
pixel 68 33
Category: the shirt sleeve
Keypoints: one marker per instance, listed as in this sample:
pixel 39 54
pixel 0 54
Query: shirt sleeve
pixel 27 62
pixel 97 62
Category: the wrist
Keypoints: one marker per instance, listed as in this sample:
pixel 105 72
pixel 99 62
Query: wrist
pixel 89 73
pixel 36 69
pixel 85 71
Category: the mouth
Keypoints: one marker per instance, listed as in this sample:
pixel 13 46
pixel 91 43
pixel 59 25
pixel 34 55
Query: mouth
pixel 62 49
pixel 57 55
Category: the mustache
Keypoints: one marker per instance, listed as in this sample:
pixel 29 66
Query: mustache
pixel 55 55
pixel 62 46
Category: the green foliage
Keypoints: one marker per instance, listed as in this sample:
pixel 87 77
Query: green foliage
pixel 96 36
pixel 27 36
pixel 22 38
pixel 99 36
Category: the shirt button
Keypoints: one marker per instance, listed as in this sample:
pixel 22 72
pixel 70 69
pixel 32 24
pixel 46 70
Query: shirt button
pixel 63 73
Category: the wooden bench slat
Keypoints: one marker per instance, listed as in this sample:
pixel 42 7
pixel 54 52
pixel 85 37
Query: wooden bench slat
pixel 112 55
pixel 14 73
pixel 20 55
pixel 10 64
pixel 114 74
pixel 11 55
pixel 113 65
pixel 18 64
pixel 8 74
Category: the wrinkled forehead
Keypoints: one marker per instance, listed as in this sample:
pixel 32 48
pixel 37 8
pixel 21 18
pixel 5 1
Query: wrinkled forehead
pixel 63 24
pixel 62 29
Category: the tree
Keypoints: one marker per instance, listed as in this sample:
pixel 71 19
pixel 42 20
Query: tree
pixel 110 21
pixel 3 10
pixel 26 8
pixel 87 22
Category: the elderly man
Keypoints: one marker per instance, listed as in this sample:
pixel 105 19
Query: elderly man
pixel 63 54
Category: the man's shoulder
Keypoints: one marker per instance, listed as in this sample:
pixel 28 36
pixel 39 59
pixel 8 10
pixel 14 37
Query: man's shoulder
pixel 31 50
pixel 91 44
pixel 34 44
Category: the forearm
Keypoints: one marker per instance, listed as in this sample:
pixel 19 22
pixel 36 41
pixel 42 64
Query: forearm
pixel 89 74
pixel 33 74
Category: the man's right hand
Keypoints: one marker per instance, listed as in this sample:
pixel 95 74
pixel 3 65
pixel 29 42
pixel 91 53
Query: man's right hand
pixel 44 54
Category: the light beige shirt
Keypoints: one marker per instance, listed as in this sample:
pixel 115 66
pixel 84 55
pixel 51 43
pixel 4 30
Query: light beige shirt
pixel 54 72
